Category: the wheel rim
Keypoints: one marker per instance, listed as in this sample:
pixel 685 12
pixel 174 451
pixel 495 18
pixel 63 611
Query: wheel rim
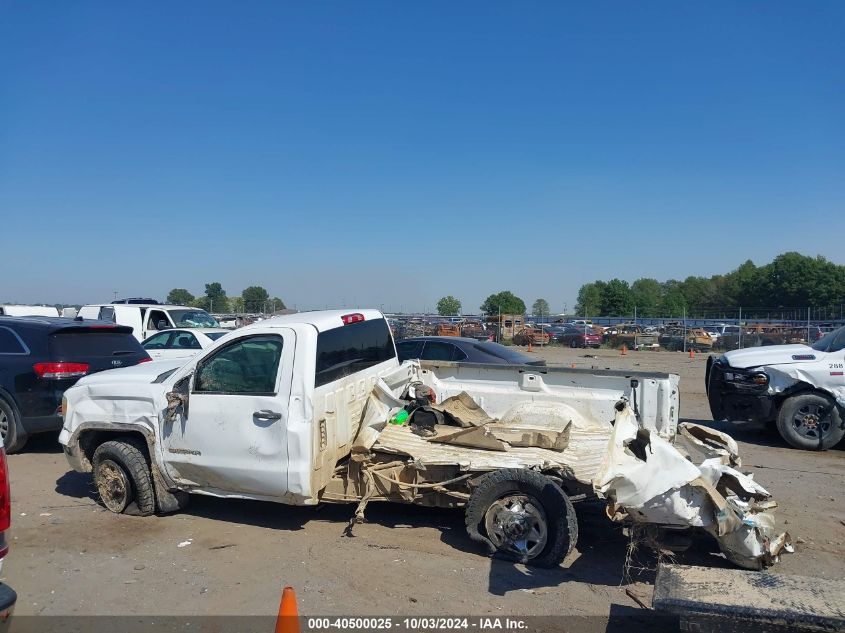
pixel 517 524
pixel 4 425
pixel 808 421
pixel 113 486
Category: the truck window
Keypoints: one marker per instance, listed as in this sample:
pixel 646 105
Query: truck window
pixel 245 366
pixel 352 348
pixel 831 342
pixel 157 318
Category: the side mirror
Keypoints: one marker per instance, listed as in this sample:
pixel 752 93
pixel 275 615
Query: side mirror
pixel 177 400
pixel 162 325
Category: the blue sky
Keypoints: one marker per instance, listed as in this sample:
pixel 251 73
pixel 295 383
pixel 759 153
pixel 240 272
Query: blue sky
pixel 388 153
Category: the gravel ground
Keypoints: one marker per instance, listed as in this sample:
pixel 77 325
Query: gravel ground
pixel 69 556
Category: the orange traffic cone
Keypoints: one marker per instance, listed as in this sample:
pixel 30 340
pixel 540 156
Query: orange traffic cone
pixel 288 618
pixel 624 350
pixel 572 365
pixel 692 352
pixel 530 345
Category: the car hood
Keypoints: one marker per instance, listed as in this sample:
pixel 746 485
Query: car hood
pixel 144 373
pixel 771 355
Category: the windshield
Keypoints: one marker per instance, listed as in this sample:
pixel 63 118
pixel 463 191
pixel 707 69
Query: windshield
pixel 831 342
pixel 192 318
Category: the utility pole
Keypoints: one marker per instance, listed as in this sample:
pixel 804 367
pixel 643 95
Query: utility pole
pixel 809 342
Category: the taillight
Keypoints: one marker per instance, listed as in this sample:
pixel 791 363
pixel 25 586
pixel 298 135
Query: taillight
pixel 355 317
pixel 58 371
pixel 145 360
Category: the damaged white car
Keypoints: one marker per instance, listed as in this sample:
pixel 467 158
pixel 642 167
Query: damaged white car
pixel 799 388
pixel 315 408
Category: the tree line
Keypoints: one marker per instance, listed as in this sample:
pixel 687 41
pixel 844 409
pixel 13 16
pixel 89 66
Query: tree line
pixel 252 300
pixel 504 302
pixel 791 280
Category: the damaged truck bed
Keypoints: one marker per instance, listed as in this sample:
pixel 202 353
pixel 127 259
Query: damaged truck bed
pixel 315 407
pixel 645 478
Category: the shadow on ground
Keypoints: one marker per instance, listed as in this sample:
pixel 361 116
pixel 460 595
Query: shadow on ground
pixel 599 559
pixel 43 443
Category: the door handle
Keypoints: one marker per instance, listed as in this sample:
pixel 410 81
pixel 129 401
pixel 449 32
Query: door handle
pixel 266 414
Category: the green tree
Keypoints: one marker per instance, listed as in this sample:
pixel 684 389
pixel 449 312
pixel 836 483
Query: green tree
pixel 214 299
pixel 255 299
pixel 505 302
pixel 590 298
pixel 540 308
pixel 617 299
pixel 674 302
pixel 180 297
pixel 236 304
pixel 276 304
pixel 448 306
pixel 647 296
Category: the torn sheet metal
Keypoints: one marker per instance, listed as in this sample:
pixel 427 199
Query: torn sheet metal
pixel 648 480
pixel 711 443
pixel 465 411
pixel 380 406
pixel 473 437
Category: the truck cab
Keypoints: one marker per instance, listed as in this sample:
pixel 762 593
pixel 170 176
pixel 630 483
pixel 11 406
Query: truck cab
pixel 148 319
pixel 265 413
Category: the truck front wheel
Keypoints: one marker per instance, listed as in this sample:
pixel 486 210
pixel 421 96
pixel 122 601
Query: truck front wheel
pixel 123 478
pixel 810 421
pixel 522 515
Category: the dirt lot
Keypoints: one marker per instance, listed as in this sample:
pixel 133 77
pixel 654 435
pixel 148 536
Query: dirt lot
pixel 70 556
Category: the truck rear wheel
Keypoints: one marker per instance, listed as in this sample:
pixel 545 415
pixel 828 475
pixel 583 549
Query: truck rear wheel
pixel 123 479
pixel 522 515
pixel 810 421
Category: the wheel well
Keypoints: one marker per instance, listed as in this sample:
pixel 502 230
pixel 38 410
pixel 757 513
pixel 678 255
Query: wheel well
pixel 89 441
pixel 9 398
pixel 802 389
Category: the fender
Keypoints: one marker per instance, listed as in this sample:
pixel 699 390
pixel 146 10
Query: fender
pixel 81 462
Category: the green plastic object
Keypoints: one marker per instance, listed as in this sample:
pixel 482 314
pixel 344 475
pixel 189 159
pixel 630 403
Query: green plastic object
pixel 400 418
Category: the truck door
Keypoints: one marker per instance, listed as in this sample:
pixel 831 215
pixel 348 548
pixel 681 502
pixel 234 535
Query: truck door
pixel 233 438
pixel 129 315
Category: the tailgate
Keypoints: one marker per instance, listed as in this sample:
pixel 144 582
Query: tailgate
pixel 99 347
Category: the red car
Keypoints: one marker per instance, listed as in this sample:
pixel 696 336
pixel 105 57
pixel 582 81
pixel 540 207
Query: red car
pixel 580 337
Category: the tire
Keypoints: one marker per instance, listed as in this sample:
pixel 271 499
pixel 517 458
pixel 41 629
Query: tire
pixel 803 422
pixel 573 343
pixel 123 479
pixel 11 432
pixel 515 500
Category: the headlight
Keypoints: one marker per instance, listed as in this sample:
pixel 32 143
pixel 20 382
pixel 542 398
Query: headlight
pixel 758 378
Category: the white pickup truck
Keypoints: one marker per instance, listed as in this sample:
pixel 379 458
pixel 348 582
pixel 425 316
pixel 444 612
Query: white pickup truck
pixel 295 410
pixel 799 388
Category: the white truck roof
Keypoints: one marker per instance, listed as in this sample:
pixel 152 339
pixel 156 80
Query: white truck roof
pixel 322 320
